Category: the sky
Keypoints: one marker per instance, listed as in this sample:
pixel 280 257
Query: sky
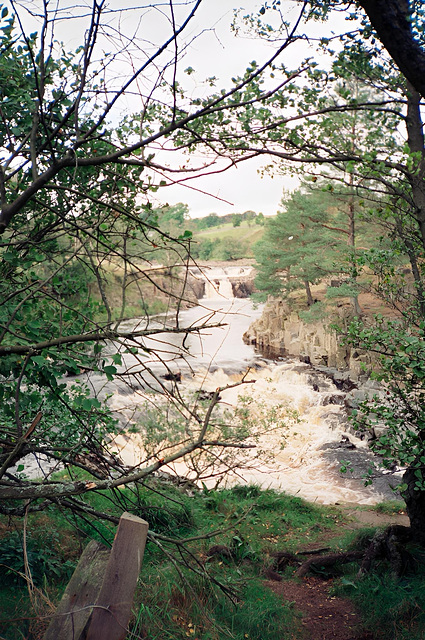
pixel 215 51
pixel 222 54
pixel 219 52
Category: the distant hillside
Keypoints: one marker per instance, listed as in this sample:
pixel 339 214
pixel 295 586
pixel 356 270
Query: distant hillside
pixel 248 232
pixel 215 237
pixel 235 219
pixel 227 242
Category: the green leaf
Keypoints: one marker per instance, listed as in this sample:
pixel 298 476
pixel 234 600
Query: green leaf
pixel 90 403
pixel 186 235
pixel 110 371
pixel 348 583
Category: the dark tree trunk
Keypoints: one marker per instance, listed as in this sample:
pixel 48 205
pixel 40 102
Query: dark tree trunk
pixel 351 213
pixel 416 142
pixel 417 277
pixel 415 506
pixel 413 254
pixel 310 300
pixel 352 243
pixel 390 19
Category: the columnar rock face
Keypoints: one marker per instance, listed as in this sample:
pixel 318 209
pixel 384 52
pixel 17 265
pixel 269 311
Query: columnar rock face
pixel 196 287
pixel 242 285
pixel 282 332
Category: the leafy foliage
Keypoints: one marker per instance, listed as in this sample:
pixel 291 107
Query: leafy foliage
pixel 305 243
pixel 401 409
pixel 79 235
pixel 44 561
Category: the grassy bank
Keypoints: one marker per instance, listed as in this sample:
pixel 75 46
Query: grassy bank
pixel 227 596
pixel 172 601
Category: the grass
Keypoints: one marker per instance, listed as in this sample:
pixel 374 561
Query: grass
pixel 250 234
pixel 394 608
pixel 390 508
pixel 174 603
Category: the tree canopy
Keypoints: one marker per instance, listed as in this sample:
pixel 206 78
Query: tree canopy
pixel 79 175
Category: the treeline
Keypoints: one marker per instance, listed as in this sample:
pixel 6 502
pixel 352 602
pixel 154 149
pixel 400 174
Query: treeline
pixel 175 221
pixel 236 219
pixel 177 216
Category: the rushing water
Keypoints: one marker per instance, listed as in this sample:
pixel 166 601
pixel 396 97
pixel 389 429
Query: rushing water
pixel 309 463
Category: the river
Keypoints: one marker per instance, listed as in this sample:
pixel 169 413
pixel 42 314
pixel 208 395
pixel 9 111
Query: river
pixel 303 459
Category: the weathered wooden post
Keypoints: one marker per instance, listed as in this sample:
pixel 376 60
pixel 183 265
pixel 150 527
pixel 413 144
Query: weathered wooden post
pixel 97 602
pixel 75 608
pixel 110 617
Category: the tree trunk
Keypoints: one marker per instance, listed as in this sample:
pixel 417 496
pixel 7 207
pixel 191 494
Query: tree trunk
pixel 416 276
pixel 416 142
pixel 352 243
pixel 352 220
pixel 415 506
pixel 310 300
pixel 357 310
pixel 390 19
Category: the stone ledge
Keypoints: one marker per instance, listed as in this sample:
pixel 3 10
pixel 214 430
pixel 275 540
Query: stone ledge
pixel 283 332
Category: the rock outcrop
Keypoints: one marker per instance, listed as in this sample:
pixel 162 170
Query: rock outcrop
pixel 282 332
pixel 242 286
pixel 229 281
pixel 196 286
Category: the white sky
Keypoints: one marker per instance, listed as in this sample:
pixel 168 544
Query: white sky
pixel 217 52
pixel 221 53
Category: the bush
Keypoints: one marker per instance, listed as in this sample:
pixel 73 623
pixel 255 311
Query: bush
pixel 43 559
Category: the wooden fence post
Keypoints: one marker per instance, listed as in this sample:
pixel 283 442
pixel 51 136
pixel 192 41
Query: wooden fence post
pixel 97 602
pixel 112 611
pixel 76 606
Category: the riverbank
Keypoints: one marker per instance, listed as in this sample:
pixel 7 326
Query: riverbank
pixel 238 540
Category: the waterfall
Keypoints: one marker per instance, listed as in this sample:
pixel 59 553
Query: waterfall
pixel 218 287
pixel 218 280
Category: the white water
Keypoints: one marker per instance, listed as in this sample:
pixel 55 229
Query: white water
pixel 307 464
pixel 216 279
pixel 301 466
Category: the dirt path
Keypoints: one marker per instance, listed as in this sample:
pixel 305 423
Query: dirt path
pixel 326 617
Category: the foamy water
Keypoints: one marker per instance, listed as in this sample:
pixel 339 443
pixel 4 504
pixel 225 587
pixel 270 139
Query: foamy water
pixel 301 458
pixel 295 455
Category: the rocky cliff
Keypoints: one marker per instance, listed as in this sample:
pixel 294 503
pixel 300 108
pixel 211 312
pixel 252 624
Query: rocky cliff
pixel 282 332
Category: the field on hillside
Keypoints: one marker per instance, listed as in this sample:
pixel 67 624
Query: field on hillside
pixel 250 234
pixel 226 242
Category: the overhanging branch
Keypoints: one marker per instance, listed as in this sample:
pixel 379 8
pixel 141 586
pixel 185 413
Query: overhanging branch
pixel 97 336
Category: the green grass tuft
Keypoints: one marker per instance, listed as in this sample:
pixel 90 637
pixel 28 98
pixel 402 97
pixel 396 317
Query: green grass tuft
pixel 394 608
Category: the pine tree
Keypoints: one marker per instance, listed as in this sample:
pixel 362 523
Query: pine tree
pixel 303 244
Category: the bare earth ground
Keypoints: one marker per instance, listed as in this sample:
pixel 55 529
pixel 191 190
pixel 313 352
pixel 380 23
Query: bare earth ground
pixel 326 617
